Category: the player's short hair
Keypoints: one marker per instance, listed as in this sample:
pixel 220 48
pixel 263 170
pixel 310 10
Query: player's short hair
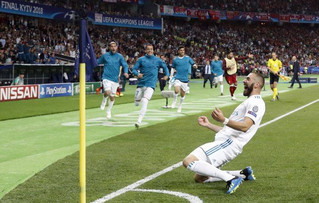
pixel 180 47
pixel 261 77
pixel 148 44
pixel 112 42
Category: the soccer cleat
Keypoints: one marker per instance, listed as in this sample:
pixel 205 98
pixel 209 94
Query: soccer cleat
pixel 121 94
pixel 290 87
pixel 173 104
pixel 249 173
pixel 179 110
pixel 221 94
pixel 215 85
pixel 233 98
pixel 273 99
pixel 108 115
pixel 277 96
pixel 233 184
pixel 103 104
pixel 137 125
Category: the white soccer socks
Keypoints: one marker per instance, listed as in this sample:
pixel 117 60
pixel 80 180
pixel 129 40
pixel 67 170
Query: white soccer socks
pixel 206 169
pixel 181 100
pixel 221 89
pixel 175 100
pixel 143 110
pixel 104 100
pixel 108 111
pixel 236 173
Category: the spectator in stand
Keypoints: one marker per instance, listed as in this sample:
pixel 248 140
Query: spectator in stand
pixel 52 59
pixel 19 80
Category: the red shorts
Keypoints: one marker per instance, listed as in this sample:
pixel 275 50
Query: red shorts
pixel 231 79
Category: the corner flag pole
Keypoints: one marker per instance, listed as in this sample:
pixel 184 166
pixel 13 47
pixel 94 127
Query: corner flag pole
pixel 82 165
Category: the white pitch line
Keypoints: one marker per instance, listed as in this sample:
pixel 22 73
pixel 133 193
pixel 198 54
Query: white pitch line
pixel 190 198
pixel 170 168
pixel 137 184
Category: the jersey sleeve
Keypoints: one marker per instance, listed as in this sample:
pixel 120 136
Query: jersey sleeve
pixel 101 60
pixel 212 67
pixel 268 63
pixel 255 110
pixel 136 66
pixel 191 61
pixel 124 64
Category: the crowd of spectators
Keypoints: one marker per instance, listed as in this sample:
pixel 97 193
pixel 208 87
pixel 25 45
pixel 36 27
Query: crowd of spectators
pixel 310 7
pixel 32 40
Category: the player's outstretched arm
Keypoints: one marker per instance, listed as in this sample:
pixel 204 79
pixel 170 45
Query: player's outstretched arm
pixel 217 115
pixel 203 121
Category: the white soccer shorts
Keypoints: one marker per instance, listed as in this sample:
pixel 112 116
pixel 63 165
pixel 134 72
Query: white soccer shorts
pixel 143 92
pixel 183 85
pixel 218 78
pixel 109 85
pixel 217 153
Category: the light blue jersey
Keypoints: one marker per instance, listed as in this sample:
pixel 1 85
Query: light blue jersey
pixel 183 67
pixel 148 66
pixel 217 68
pixel 112 63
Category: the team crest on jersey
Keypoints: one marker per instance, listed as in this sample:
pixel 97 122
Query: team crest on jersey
pixel 255 109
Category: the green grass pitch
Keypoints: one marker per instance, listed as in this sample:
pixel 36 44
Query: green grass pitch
pixel 39 149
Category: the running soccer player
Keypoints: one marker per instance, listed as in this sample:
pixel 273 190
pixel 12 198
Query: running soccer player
pixel 182 64
pixel 275 66
pixel 112 61
pixel 146 70
pixel 241 126
pixel 217 71
pixel 230 67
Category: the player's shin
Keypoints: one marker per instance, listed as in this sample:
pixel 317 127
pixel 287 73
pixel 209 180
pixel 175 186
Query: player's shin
pixel 144 103
pixel 204 168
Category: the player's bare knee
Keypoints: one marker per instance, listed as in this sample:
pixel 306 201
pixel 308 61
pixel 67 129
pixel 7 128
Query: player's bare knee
pixel 186 162
pixel 189 159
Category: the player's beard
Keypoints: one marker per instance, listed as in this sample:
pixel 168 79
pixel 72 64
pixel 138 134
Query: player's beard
pixel 248 90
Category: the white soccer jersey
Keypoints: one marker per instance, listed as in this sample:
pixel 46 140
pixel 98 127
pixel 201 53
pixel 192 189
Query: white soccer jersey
pixel 253 108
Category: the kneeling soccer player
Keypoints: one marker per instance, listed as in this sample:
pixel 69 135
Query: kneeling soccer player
pixel 241 126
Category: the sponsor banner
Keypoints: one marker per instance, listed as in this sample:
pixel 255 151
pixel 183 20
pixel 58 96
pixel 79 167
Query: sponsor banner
pixel 36 10
pixel 10 93
pixel 203 14
pixel 193 13
pixel 263 17
pixel 214 15
pixel 294 18
pixel 55 90
pixel 284 18
pixel 89 88
pixel 180 11
pixel 122 21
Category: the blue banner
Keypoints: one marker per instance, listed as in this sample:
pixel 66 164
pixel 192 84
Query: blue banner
pixel 6 66
pixel 85 53
pixel 123 21
pixel 55 90
pixel 36 10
